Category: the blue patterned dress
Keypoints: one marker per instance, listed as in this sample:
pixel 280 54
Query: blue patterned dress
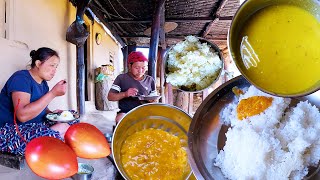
pixel 10 141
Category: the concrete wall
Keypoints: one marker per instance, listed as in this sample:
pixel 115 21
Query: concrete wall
pixel 101 53
pixel 35 23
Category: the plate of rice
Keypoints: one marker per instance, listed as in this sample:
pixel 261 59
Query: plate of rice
pixel 240 132
pixel 63 116
pixel 193 64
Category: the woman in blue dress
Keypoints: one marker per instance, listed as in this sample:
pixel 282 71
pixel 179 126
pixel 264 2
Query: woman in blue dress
pixel 26 94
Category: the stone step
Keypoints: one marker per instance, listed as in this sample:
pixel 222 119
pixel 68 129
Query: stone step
pixel 12 160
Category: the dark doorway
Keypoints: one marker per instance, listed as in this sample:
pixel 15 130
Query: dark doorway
pixel 86 71
pixel 85 47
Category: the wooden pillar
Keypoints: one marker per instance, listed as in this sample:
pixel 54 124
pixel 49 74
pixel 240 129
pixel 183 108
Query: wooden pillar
pixel 125 58
pixel 77 34
pixel 161 74
pixel 183 101
pixel 163 47
pixel 205 93
pixel 168 93
pixel 154 41
pixel 190 104
pixel 131 48
pixel 80 80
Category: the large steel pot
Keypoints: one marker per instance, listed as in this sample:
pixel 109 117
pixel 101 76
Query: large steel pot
pixel 245 11
pixel 155 115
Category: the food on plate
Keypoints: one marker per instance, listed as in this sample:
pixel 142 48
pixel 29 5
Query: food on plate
pixel 252 106
pixel 236 91
pixel 280 142
pixel 154 154
pixel 280 54
pixel 192 65
pixel 65 115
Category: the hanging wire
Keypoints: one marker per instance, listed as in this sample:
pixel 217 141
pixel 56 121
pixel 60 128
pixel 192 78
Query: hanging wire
pixel 104 11
pixel 115 10
pixel 109 14
pixel 126 9
pixel 143 26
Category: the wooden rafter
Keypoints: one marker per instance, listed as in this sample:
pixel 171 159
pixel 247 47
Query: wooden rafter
pixel 216 18
pixel 184 19
pixel 223 3
pixel 209 27
pixel 176 36
pixel 102 19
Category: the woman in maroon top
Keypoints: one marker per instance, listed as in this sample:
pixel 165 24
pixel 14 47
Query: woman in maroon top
pixel 133 83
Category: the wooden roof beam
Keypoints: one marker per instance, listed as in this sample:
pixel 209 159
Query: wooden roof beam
pixel 102 20
pixel 170 36
pixel 185 19
pixel 216 18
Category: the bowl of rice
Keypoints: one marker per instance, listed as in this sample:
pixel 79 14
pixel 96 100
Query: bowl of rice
pixel 193 64
pixel 240 132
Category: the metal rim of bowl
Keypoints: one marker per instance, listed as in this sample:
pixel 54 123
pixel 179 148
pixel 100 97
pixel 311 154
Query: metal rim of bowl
pixel 85 165
pixel 131 111
pixel 246 77
pixel 213 46
pixel 191 135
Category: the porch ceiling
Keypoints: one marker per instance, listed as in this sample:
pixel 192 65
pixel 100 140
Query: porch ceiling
pixel 128 19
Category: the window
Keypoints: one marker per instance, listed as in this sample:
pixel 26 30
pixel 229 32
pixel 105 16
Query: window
pixel 145 51
pixel 3 18
pixel 6 19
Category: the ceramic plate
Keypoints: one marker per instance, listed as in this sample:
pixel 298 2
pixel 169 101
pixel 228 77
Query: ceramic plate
pixel 56 116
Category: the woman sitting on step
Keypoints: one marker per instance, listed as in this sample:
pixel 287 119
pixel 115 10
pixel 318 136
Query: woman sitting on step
pixel 26 93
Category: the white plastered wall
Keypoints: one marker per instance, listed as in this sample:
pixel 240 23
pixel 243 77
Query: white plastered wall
pixel 36 23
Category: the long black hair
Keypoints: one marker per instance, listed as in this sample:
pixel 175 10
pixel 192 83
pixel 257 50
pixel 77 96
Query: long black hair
pixel 42 54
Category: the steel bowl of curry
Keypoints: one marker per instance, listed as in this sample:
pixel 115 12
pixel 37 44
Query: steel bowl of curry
pixel 275 45
pixel 150 142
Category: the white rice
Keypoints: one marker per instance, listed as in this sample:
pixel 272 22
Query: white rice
pixel 271 145
pixel 65 115
pixel 191 62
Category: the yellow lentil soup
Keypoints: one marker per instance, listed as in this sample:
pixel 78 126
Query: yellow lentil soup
pixel 280 50
pixel 154 154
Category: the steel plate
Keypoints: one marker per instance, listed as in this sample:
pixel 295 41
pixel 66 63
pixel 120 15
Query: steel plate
pixel 206 134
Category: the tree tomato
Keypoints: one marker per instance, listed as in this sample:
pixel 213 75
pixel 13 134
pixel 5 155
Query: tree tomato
pixel 87 141
pixel 51 158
